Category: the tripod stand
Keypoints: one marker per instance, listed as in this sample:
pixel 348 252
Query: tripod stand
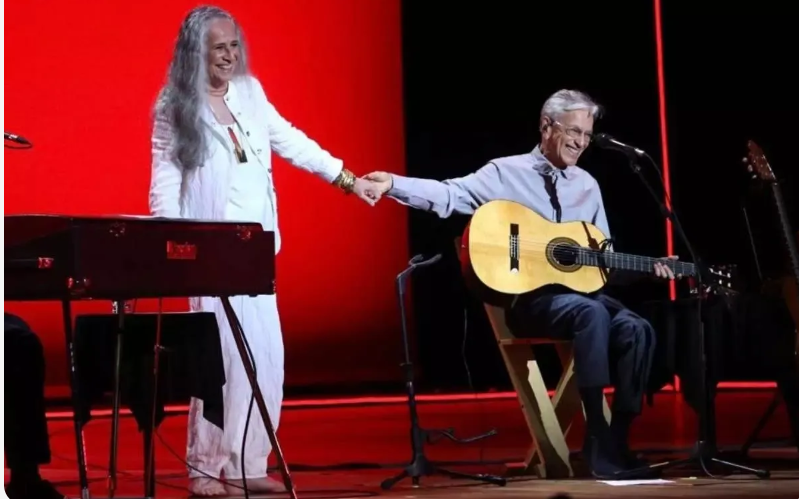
pixel 704 450
pixel 420 465
pixel 775 402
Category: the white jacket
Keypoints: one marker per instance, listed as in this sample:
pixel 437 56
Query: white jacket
pixel 201 193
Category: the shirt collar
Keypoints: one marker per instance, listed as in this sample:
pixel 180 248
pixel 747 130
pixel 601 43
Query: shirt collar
pixel 542 165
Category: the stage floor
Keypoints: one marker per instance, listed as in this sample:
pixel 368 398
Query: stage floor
pixel 346 451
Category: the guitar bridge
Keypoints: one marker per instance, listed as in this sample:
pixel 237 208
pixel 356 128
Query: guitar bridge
pixel 514 248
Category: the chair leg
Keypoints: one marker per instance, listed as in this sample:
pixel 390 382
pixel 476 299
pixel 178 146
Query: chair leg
pixel 566 401
pixel 549 456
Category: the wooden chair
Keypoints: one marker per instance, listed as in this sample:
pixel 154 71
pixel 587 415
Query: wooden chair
pixel 549 420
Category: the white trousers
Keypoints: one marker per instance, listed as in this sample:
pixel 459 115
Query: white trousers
pixel 217 452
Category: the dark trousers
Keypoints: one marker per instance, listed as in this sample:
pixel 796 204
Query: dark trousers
pixel 27 443
pixel 612 344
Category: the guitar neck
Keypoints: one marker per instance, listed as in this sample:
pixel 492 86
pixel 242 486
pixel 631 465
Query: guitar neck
pixel 636 263
pixel 787 232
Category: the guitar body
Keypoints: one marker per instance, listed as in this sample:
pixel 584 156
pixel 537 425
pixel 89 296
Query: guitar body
pixel 507 249
pixel 790 294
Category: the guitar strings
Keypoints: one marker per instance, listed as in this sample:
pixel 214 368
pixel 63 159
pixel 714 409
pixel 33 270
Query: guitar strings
pixel 543 258
pixel 526 247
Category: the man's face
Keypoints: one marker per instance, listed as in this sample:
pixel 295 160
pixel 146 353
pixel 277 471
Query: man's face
pixel 564 140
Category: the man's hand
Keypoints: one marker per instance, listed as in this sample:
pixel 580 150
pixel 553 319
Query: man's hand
pixel 663 271
pixel 381 180
pixel 367 190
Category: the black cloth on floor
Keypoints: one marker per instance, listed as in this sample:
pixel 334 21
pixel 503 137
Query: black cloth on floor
pixel 190 363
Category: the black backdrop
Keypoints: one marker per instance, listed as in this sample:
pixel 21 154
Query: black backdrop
pixel 476 76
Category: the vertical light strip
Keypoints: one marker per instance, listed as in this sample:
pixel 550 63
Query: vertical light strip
pixel 664 143
pixel 664 146
pixel 666 174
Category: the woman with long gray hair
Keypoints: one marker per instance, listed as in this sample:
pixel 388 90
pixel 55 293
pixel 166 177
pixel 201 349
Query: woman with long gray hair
pixel 213 135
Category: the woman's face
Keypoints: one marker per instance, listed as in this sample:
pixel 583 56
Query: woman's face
pixel 223 51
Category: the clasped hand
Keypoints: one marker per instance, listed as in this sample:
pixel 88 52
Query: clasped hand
pixel 370 188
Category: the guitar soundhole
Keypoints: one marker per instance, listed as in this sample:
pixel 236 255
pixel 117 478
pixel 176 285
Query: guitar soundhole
pixel 565 254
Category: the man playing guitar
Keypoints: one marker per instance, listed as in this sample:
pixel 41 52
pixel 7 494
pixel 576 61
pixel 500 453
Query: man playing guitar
pixel 611 343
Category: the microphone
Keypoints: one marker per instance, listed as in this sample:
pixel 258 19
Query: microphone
pixel 16 138
pixel 605 141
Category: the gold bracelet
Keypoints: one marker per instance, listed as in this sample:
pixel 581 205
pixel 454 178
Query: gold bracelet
pixel 345 180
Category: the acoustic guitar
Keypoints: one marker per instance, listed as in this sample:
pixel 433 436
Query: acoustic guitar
pixel 759 167
pixel 508 249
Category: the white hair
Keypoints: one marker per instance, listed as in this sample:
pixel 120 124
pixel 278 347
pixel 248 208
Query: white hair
pixel 564 101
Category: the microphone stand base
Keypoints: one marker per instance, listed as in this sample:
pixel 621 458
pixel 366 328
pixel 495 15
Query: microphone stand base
pixel 702 455
pixel 421 466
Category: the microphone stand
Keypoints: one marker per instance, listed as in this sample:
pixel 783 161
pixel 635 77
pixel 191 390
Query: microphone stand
pixel 420 465
pixel 705 449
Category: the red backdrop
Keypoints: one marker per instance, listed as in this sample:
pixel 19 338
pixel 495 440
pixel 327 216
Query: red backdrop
pixel 81 81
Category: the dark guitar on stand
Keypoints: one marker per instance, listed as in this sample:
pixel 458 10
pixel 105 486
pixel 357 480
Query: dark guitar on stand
pixel 759 167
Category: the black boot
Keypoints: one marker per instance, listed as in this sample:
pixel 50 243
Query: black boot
pixel 599 449
pixel 599 452
pixel 620 431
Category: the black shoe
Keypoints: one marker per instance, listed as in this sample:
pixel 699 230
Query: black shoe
pixel 38 489
pixel 632 462
pixel 600 455
pixel 606 462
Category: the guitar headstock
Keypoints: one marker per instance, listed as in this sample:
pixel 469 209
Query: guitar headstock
pixel 723 277
pixel 757 164
pixel 717 280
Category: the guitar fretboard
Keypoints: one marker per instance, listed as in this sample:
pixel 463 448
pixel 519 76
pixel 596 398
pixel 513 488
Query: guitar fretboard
pixel 625 261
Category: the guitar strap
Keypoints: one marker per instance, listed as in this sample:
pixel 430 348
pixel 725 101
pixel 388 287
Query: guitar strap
pixel 549 183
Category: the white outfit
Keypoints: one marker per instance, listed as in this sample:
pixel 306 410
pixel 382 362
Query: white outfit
pixel 224 189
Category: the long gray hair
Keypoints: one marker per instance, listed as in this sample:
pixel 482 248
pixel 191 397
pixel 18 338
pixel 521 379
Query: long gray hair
pixel 185 92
